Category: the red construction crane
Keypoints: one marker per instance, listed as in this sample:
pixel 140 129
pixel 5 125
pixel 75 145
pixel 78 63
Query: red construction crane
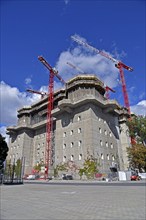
pixel 49 124
pixel 107 88
pixel 120 65
pixel 43 94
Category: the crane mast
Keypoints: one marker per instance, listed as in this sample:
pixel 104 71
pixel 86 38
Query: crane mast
pixel 49 124
pixel 120 65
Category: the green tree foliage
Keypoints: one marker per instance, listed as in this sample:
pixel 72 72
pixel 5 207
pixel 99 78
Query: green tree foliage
pixel 18 167
pixel 38 166
pixel 137 157
pixel 137 128
pixel 3 151
pixel 89 167
pixel 60 167
pixel 8 168
pixel 137 152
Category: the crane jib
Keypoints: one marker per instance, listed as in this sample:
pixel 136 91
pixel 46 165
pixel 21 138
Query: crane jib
pixel 118 63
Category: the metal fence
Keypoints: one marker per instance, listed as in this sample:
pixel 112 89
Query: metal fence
pixel 13 172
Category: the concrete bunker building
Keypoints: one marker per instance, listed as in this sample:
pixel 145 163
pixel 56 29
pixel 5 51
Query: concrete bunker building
pixel 84 123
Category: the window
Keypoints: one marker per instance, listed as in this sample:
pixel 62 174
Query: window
pixel 79 118
pixel 113 158
pixel 100 131
pixel 71 144
pixel 71 132
pixel 101 143
pixel 64 146
pixel 110 134
pixel 99 119
pixel 79 130
pixel 64 134
pixel 80 156
pixel 72 157
pixel 107 156
pixel 102 157
pixel 38 147
pixel 79 143
pixel 106 144
pixel 64 158
pixel 112 145
pixel 105 132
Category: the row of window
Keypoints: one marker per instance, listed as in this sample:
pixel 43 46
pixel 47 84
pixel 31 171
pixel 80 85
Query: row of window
pixel 80 143
pixel 108 157
pixel 80 130
pixel 71 132
pixel 105 132
pixel 72 158
pixel 80 157
pixel 16 156
pixel 106 144
pixel 15 147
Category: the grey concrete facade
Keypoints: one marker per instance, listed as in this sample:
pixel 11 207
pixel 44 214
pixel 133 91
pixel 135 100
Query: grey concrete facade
pixel 84 123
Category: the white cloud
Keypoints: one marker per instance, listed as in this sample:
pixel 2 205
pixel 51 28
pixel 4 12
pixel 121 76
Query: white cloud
pixel 89 63
pixel 27 81
pixel 11 100
pixel 139 108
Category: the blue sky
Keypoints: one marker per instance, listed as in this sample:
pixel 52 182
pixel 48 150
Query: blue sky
pixel 33 28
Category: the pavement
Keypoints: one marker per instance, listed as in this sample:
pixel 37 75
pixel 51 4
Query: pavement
pixel 73 200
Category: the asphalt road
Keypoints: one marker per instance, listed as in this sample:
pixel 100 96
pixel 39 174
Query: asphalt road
pixel 73 201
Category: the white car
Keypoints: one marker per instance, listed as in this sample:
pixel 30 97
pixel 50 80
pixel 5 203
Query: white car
pixel 31 177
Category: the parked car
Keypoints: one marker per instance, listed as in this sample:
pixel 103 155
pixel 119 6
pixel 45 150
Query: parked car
pixel 67 177
pixel 31 177
pixel 135 177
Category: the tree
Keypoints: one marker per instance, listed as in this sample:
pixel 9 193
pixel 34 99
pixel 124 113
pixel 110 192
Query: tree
pixel 89 167
pixel 60 167
pixel 18 168
pixel 137 157
pixel 38 166
pixel 137 128
pixel 137 152
pixel 3 151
